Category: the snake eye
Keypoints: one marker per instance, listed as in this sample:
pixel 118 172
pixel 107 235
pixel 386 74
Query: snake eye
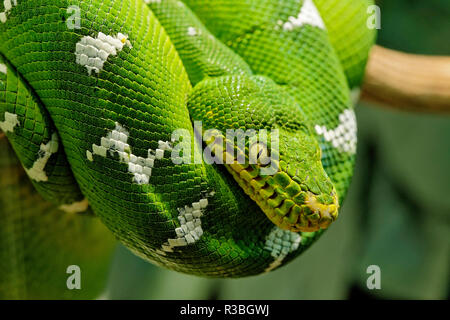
pixel 259 154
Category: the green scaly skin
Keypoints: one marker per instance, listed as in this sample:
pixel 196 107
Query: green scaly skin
pixel 230 64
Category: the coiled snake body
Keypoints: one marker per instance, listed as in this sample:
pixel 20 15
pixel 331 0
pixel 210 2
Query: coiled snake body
pixel 91 105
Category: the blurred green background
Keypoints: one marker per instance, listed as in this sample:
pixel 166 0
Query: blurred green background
pixel 396 216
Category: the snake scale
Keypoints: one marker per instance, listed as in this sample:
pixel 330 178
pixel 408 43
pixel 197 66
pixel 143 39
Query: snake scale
pixel 93 94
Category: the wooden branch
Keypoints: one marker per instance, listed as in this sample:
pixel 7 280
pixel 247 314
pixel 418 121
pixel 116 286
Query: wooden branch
pixel 408 82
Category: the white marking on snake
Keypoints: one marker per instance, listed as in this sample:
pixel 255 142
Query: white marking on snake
pixel 344 136
pixel 8 6
pixel 75 207
pixel 10 122
pixel 36 172
pixel 192 32
pixel 92 53
pixel 280 243
pixel 190 229
pixel 3 68
pixel 308 15
pixel 116 142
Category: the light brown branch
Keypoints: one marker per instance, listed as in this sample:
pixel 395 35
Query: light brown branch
pixel 408 82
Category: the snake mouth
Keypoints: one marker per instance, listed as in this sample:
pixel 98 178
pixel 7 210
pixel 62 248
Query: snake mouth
pixel 285 201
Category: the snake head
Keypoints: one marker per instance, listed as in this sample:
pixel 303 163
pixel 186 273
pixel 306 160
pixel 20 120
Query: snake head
pixel 288 181
pixel 299 196
pixel 283 172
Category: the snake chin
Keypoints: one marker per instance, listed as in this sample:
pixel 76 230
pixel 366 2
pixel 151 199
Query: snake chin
pixel 287 203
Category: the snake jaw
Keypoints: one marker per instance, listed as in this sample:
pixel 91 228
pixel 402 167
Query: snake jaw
pixel 284 201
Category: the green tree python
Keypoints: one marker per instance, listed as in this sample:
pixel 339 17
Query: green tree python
pixel 112 106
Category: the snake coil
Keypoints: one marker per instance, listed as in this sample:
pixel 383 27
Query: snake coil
pixel 94 99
